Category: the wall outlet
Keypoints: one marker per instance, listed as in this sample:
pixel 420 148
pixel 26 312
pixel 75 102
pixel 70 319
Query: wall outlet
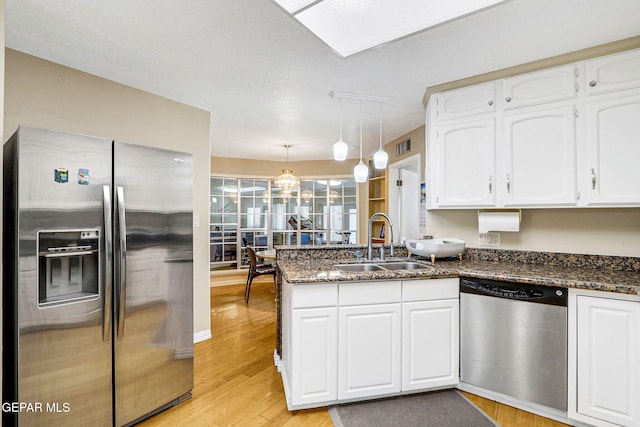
pixel 491 238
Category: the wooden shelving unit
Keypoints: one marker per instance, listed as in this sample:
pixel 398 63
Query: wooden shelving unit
pixel 378 202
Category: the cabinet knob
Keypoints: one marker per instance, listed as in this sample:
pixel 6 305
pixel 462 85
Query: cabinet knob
pixel 490 102
pixel 508 184
pixel 508 99
pixel 593 83
pixel 490 184
pixel 593 178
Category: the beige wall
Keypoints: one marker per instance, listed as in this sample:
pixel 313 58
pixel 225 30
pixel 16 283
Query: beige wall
pixel 581 231
pixel 418 146
pixel 226 166
pixel 44 94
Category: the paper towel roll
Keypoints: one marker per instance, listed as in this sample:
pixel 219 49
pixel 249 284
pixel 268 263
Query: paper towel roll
pixel 498 221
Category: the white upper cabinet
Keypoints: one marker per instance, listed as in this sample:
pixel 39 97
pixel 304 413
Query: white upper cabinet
pixel 539 166
pixel 561 137
pixel 473 100
pixel 613 72
pixel 555 84
pixel 613 151
pixel 466 161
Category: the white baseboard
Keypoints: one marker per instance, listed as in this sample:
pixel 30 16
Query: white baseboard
pixel 201 336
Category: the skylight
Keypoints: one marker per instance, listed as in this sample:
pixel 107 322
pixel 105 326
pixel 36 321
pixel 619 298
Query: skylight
pixel 352 26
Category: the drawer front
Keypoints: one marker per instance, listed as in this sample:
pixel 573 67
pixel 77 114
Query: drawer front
pixel 314 295
pixel 540 87
pixel 613 72
pixel 430 289
pixel 468 101
pixel 361 293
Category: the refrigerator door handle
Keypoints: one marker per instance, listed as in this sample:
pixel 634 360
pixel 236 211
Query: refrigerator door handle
pixel 107 265
pixel 122 264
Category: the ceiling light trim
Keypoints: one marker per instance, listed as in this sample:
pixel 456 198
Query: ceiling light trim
pixel 347 26
pixel 303 8
pixel 358 96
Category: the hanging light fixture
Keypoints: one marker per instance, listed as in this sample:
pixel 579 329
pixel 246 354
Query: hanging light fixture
pixel 306 195
pixel 361 171
pixel 340 148
pixel 380 158
pixel 287 180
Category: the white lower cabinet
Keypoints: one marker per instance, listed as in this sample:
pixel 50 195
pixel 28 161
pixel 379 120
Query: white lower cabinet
pixel 359 340
pixel 430 333
pixel 369 348
pixel 606 342
pixel 314 370
pixel 429 344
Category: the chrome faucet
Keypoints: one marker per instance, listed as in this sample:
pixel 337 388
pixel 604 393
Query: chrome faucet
pixel 370 236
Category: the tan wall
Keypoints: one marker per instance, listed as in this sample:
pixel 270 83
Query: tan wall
pixel 226 166
pixel 586 231
pixel 418 146
pixel 582 231
pixel 44 94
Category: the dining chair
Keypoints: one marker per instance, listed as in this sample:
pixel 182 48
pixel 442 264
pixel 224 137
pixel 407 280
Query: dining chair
pixel 256 270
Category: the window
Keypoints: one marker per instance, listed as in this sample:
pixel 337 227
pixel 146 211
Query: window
pixel 319 212
pixel 223 221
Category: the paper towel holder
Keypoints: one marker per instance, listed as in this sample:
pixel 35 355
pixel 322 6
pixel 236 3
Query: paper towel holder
pixel 519 211
pixel 487 221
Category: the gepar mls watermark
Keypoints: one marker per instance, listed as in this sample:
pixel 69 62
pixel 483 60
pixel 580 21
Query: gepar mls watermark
pixel 17 407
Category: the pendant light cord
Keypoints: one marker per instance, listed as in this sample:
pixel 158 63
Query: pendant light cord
pixel 340 119
pixel 380 125
pixel 361 131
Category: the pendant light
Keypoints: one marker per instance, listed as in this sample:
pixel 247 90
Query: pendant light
pixel 340 148
pixel 361 171
pixel 380 158
pixel 287 180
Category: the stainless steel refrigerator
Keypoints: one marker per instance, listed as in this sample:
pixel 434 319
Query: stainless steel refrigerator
pixel 97 280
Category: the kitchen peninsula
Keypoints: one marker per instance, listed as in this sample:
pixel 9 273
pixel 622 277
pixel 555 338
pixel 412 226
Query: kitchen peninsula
pixel 329 319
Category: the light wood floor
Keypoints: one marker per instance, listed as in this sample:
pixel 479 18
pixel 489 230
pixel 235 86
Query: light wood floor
pixel 236 382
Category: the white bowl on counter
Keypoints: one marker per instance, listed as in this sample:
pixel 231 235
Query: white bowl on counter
pixel 436 248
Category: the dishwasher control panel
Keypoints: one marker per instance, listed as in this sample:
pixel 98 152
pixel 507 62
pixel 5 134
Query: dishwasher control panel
pixel 517 291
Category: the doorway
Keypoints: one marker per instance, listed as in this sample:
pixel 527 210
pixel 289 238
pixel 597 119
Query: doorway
pixel 404 197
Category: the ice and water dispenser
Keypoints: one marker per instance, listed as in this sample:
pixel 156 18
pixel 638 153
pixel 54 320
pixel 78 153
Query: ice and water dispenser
pixel 68 266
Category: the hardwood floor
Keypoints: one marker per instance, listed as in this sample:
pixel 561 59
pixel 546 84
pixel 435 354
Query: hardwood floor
pixel 236 382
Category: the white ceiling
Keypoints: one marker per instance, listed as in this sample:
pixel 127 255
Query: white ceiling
pixel 266 79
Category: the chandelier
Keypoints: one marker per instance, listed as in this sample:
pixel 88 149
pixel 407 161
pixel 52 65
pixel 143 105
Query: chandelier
pixel 287 180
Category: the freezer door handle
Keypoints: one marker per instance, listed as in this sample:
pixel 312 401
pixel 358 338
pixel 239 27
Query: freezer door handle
pixel 107 266
pixel 122 262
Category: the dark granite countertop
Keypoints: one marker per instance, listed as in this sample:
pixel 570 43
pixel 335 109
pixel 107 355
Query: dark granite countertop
pixel 323 270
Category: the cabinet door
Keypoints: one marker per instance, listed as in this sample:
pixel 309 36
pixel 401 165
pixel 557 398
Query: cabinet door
pixel 613 151
pixel 555 84
pixel 613 72
pixel 608 340
pixel 429 344
pixel 539 162
pixel 473 100
pixel 369 350
pixel 314 361
pixel 466 164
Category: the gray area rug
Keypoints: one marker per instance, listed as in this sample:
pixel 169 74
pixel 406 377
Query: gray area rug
pixel 446 408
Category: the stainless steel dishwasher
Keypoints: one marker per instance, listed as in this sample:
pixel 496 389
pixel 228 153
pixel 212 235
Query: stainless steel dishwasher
pixel 513 340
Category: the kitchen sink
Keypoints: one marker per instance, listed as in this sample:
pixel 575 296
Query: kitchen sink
pixel 392 266
pixel 403 265
pixel 358 267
